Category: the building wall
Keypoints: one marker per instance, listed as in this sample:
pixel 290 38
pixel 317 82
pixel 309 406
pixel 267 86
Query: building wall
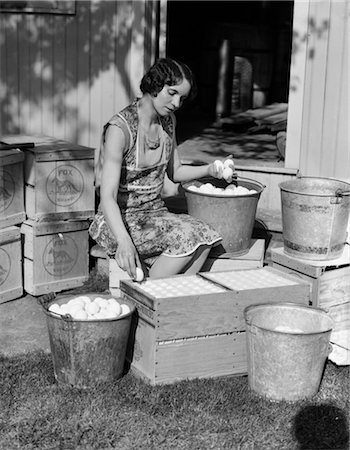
pixel 318 118
pixel 65 76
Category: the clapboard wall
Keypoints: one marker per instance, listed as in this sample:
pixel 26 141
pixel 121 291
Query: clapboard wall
pixel 66 75
pixel 318 106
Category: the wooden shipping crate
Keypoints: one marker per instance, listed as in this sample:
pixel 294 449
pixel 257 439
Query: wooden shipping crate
pixel 193 326
pixel 56 255
pixel 11 282
pixel 330 287
pixel 59 179
pixel 11 188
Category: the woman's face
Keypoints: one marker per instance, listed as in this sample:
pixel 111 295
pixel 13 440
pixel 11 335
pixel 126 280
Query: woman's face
pixel 170 98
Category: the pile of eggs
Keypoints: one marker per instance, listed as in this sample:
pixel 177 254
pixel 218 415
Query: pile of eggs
pixel 85 308
pixel 231 190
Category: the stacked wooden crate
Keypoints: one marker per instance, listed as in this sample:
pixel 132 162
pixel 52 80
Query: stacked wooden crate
pixel 12 214
pixel 192 326
pixel 59 201
pixel 330 290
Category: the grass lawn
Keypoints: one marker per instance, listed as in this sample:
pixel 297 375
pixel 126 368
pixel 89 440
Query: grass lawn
pixel 218 413
pixel 222 413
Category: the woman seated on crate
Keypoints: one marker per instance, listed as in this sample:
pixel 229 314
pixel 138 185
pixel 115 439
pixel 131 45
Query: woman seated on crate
pixel 138 148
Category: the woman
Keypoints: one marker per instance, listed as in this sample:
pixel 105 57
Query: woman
pixel 138 148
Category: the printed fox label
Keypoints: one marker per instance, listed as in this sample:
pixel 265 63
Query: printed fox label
pixel 60 256
pixel 7 190
pixel 5 265
pixel 64 185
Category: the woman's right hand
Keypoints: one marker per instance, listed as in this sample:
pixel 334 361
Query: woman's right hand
pixel 127 257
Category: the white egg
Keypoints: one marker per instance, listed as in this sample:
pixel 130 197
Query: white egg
pixel 230 187
pixel 229 163
pixel 110 314
pixel 92 308
pixel 125 309
pixel 253 191
pixel 227 174
pixel 192 188
pixel 86 299
pixel 139 274
pixel 114 307
pixel 55 308
pixel 80 315
pixel 219 167
pixel 64 309
pixel 101 302
pixel 76 300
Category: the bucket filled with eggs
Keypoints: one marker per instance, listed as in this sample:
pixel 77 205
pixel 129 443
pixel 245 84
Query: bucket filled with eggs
pixel 229 207
pixel 89 335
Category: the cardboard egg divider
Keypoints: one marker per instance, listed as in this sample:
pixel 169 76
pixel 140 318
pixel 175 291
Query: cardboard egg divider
pixel 192 326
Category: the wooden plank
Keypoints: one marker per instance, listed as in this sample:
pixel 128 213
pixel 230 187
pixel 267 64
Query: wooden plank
pixel 141 350
pixel 297 84
pixel 95 120
pixel 47 37
pixel 72 106
pixel 333 93
pixel 59 83
pixel 316 72
pixel 207 357
pixel 11 285
pixel 83 71
pixel 11 191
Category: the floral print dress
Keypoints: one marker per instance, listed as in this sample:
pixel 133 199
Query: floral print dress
pixel 153 229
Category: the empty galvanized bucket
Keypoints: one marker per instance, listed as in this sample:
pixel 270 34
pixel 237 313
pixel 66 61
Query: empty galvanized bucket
pixel 287 346
pixel 232 217
pixel 87 352
pixel 315 214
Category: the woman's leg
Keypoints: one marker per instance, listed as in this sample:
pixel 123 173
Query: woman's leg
pixel 166 266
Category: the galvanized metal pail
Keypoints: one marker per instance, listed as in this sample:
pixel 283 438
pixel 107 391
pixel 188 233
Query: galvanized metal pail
pixel 87 352
pixel 287 346
pixel 315 214
pixel 233 217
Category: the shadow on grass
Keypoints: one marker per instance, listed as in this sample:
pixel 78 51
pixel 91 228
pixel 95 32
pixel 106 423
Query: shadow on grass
pixel 321 426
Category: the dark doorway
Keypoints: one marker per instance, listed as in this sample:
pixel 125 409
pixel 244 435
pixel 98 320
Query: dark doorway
pixel 259 34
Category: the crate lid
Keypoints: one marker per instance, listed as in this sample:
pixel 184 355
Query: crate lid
pixel 9 234
pixel 47 148
pixel 63 226
pixel 11 156
pixel 309 267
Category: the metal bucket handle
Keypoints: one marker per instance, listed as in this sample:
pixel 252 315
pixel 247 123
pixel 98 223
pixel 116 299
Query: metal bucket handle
pixel 45 300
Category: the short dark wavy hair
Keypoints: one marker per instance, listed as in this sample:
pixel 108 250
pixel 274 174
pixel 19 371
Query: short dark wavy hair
pixel 167 71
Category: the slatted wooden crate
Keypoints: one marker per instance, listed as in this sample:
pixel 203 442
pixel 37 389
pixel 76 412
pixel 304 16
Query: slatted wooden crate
pixel 330 287
pixel 11 188
pixel 56 255
pixel 193 326
pixel 11 282
pixel 59 179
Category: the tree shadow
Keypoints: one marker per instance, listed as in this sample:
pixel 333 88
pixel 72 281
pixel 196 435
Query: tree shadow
pixel 322 426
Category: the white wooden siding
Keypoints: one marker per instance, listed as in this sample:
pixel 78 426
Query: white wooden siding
pixel 318 119
pixel 65 76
